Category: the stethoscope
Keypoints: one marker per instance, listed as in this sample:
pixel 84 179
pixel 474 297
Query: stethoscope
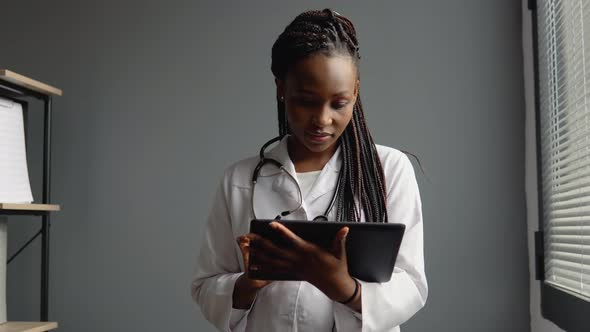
pixel 265 161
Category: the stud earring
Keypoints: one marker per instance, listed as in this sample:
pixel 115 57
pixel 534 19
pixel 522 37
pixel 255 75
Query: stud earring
pixel 282 98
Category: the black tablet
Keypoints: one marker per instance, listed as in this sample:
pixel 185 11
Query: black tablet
pixel 371 248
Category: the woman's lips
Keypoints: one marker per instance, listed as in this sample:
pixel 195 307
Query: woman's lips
pixel 319 137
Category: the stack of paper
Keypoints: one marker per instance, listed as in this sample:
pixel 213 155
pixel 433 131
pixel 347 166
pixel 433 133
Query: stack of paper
pixel 14 176
pixel 3 258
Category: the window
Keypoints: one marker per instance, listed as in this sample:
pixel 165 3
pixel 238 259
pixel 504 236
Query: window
pixel 563 132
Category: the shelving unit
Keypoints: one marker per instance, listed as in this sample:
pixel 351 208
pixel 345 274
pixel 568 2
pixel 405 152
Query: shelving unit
pixel 27 326
pixel 19 88
pixel 29 208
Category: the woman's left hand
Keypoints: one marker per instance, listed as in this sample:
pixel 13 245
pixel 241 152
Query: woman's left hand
pixel 325 269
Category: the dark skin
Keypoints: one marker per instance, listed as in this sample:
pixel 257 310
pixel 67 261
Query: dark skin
pixel 319 94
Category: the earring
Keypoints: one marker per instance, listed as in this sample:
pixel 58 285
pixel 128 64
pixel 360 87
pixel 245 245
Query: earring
pixel 282 98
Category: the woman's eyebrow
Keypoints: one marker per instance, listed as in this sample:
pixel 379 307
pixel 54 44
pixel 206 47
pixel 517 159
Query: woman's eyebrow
pixel 343 93
pixel 305 91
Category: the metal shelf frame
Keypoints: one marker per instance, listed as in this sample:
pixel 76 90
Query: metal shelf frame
pixel 19 94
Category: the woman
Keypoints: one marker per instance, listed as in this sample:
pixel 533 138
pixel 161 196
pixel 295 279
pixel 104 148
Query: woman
pixel 327 151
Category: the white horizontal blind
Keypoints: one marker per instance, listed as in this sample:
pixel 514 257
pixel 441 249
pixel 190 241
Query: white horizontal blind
pixel 564 84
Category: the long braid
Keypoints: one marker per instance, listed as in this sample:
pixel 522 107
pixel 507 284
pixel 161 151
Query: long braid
pixel 361 178
pixel 282 114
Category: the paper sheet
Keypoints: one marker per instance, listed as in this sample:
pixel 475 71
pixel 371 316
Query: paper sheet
pixel 14 176
pixel 3 258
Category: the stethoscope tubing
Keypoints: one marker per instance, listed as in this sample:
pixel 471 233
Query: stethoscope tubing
pixel 255 174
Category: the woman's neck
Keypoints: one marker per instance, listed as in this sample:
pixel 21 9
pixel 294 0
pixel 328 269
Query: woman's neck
pixel 306 160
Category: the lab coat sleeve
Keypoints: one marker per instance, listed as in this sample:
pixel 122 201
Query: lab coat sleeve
pixel 390 304
pixel 218 268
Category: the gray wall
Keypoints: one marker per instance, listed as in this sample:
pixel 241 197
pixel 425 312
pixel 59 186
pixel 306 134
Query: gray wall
pixel 160 97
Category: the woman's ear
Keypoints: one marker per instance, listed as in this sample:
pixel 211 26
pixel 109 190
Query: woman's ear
pixel 280 88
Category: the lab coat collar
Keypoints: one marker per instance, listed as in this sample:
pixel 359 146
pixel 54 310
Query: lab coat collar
pixel 326 181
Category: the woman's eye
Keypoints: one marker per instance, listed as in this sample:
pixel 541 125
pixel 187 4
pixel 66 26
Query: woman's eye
pixel 340 105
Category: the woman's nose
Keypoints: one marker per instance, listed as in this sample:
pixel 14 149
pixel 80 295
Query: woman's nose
pixel 323 117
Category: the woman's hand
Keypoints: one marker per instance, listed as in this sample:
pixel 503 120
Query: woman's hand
pixel 245 288
pixel 244 242
pixel 325 269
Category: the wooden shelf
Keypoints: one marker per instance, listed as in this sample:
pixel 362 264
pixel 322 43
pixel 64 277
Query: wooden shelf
pixel 27 326
pixel 29 207
pixel 29 83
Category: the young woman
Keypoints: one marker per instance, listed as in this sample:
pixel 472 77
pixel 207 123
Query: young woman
pixel 331 168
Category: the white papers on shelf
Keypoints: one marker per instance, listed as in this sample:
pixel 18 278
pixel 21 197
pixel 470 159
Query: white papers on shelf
pixel 3 258
pixel 14 176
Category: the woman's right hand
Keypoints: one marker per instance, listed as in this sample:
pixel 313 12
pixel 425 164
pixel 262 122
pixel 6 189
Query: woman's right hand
pixel 245 288
pixel 244 242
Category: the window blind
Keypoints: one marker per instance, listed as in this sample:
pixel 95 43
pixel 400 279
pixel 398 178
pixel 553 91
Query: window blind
pixel 564 97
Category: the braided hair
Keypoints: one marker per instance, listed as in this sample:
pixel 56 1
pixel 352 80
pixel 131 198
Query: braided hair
pixel 361 177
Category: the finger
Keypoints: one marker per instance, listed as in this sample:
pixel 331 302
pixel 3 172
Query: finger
pixel 251 237
pixel 289 236
pixel 290 257
pixel 262 274
pixel 339 243
pixel 269 245
pixel 272 267
pixel 269 262
pixel 258 257
pixel 263 244
pixel 256 239
pixel 244 240
pixel 261 254
pixel 244 244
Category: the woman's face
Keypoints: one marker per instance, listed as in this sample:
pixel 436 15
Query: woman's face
pixel 319 93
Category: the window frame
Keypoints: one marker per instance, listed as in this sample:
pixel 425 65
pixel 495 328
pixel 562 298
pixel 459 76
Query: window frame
pixel 567 311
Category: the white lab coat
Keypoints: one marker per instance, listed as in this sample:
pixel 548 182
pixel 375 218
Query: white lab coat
pixel 299 306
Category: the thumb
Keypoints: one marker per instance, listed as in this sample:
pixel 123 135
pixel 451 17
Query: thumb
pixel 339 243
pixel 244 244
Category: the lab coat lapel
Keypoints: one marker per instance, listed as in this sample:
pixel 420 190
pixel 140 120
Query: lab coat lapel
pixel 326 182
